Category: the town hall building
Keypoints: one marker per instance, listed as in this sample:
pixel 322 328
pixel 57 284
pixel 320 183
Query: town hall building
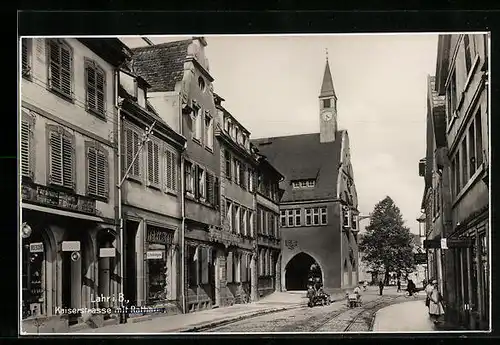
pixel 319 208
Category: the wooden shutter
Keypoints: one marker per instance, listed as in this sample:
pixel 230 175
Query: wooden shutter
pixel 92 171
pixel 222 210
pixel 129 149
pixel 90 73
pixel 168 170
pixel 229 267
pixel 25 61
pixel 67 147
pixel 243 181
pixel 102 174
pixel 60 66
pixel 25 148
pixel 175 169
pixel 56 164
pixel 209 180
pixel 100 90
pixel 55 62
pixel 153 162
pixel 65 70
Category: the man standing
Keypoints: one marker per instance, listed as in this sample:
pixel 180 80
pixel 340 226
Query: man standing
pixel 428 291
pixel 381 286
pixel 399 285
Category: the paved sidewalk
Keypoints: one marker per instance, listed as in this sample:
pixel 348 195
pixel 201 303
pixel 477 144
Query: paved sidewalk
pixel 198 320
pixel 404 317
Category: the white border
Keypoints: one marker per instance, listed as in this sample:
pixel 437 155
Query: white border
pixel 19 263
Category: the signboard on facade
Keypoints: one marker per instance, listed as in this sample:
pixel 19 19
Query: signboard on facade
pixel 36 247
pixel 154 255
pixel 444 245
pixel 107 252
pixel 159 236
pixel 447 243
pixel 70 246
pixel 420 258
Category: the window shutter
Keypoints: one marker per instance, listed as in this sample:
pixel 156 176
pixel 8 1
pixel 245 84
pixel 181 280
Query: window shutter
pixel 65 70
pixel 92 171
pixel 156 162
pixel 91 90
pixel 100 89
pixel 243 267
pixel 242 176
pixel 129 149
pixel 135 144
pixel 255 182
pixel 67 147
pixel 56 165
pixel 54 70
pixel 210 187
pixel 217 200
pixel 150 162
pixel 25 61
pixel 175 167
pixel 102 174
pixel 187 167
pixel 25 148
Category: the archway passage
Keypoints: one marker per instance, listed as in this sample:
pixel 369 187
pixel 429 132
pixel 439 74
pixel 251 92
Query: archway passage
pixel 298 271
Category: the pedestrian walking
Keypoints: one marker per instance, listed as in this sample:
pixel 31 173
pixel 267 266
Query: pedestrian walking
pixel 381 287
pixel 365 285
pixel 436 309
pixel 399 285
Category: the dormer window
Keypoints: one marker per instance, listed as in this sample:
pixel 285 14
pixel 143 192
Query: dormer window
pixel 141 96
pixel 301 184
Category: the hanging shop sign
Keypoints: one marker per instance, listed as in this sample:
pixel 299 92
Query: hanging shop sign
pixel 420 258
pixel 446 243
pixel 71 246
pixel 107 252
pixel 154 255
pixel 36 247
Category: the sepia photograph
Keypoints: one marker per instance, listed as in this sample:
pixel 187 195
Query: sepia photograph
pixel 229 184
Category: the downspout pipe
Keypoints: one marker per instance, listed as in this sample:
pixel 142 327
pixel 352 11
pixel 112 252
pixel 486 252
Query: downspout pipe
pixel 183 218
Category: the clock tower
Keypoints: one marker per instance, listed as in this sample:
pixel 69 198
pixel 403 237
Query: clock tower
pixel 327 107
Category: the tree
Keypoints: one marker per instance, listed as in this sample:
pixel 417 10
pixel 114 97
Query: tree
pixel 387 244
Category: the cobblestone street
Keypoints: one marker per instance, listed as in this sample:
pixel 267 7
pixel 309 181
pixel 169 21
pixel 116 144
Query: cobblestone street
pixel 333 318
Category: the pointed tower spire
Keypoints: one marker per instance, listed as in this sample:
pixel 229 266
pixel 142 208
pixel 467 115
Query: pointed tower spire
pixel 327 89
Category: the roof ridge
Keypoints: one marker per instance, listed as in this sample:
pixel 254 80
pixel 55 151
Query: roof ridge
pixel 161 45
pixel 294 135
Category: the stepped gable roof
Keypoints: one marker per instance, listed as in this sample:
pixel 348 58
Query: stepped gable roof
pixel 300 157
pixel 161 65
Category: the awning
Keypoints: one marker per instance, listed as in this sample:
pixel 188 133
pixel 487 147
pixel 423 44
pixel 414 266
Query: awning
pixel 61 212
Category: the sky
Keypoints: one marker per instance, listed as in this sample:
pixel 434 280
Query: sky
pixel 271 85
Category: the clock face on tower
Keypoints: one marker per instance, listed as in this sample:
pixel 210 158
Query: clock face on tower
pixel 327 115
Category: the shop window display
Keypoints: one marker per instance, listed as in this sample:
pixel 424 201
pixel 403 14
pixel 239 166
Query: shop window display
pixel 32 279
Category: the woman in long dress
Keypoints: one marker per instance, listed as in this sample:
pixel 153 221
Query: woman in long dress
pixel 436 309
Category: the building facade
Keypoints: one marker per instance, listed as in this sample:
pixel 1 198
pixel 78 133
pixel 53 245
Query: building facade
pixel 318 210
pixel 70 244
pixel 151 194
pixel 462 79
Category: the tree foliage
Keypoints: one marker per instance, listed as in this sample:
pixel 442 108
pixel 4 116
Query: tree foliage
pixel 387 244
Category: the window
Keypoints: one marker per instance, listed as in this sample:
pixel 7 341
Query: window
pixel 237 173
pixel 197 123
pixel 243 216
pixel 27 147
pixel 308 216
pixel 468 54
pixel 298 220
pixel 243 180
pixel 227 157
pixel 193 253
pixel 170 171
pixel 303 184
pixel 250 223
pixel 95 88
pixel 311 183
pixel 326 103
pixel 235 219
pixel 209 131
pixel 201 83
pixel 153 158
pixel 60 67
pixel 226 124
pixel 479 138
pixel 26 44
pixel 234 131
pixel 324 218
pixel 229 267
pixel 261 262
pixel 132 147
pixel 315 216
pixel 210 188
pixel 283 217
pixel 97 171
pixel 452 96
pixel 201 183
pixel 189 178
pixel 264 222
pixel 295 184
pixel 250 179
pixel 346 217
pixel 61 157
pixel 290 217
pixel 229 214
pixel 472 149
pixel 465 172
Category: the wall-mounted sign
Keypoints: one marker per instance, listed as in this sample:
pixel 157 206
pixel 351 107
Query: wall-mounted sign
pixel 154 255
pixel 444 245
pixel 420 258
pixel 75 256
pixel 36 247
pixel 107 252
pixel 159 236
pixel 70 246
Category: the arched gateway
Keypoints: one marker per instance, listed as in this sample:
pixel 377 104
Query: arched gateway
pixel 298 271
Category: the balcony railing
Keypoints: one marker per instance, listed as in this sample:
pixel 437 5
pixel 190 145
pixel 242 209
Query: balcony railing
pixel 47 196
